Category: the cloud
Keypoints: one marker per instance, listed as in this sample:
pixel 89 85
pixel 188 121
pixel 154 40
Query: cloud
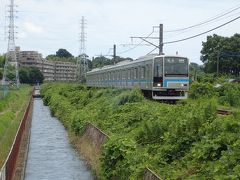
pixel 32 28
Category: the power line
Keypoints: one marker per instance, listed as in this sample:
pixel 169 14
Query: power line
pixel 187 31
pixel 205 22
pixel 191 37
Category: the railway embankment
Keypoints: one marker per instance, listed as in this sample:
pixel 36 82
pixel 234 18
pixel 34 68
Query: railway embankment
pixel 186 140
pixel 15 117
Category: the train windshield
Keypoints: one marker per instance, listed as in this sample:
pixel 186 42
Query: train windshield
pixel 176 66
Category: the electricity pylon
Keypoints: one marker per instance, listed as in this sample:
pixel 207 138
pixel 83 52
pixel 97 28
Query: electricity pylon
pixel 82 59
pixel 11 58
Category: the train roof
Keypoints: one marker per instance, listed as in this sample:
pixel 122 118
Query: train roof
pixel 126 62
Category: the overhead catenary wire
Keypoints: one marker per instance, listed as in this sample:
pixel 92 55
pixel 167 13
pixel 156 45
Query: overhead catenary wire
pixel 136 44
pixel 187 31
pixel 205 22
pixel 191 37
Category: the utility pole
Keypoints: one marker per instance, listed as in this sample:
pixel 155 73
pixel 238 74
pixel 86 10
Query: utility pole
pixel 218 58
pixel 11 58
pixel 114 53
pixel 160 39
pixel 81 60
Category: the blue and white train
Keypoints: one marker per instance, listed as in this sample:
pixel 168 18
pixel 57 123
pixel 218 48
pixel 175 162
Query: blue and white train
pixel 160 76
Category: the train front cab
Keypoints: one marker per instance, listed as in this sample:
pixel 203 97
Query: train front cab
pixel 170 78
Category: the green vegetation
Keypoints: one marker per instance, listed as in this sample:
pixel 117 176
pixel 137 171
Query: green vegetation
pixel 2 62
pixel 224 49
pixel 62 55
pixel 183 141
pixel 12 109
pixel 30 75
pixel 101 61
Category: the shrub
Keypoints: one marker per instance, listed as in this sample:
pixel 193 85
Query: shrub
pixel 229 95
pixel 201 90
pixel 125 97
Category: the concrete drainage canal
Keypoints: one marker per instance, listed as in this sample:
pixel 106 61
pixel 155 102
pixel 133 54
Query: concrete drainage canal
pixel 50 156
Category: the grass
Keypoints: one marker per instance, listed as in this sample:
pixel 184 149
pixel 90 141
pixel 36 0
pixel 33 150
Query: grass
pixel 12 109
pixel 88 150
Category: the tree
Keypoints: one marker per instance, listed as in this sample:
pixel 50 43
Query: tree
pixel 2 61
pixel 24 75
pixel 100 62
pixel 36 76
pixel 63 53
pixel 30 75
pixel 103 61
pixel 195 70
pixel 213 49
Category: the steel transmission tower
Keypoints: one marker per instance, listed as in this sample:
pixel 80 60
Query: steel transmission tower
pixel 11 58
pixel 82 60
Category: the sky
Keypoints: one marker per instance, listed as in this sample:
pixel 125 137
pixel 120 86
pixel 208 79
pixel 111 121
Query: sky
pixel 47 25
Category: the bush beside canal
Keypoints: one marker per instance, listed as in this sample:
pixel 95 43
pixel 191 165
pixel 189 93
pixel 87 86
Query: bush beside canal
pixel 187 140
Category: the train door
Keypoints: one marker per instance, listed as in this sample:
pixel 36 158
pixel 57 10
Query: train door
pixel 128 77
pixel 158 72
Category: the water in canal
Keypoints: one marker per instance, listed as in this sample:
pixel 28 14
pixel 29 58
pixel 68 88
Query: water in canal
pixel 50 156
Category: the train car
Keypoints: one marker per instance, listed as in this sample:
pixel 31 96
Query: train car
pixel 163 77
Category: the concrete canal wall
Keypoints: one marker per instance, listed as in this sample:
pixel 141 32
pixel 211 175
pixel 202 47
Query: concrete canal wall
pixel 94 138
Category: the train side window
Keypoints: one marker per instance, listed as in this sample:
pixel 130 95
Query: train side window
pixel 143 72
pixel 158 69
pixel 148 70
pixel 132 73
pixel 120 74
pixel 129 73
pixel 135 73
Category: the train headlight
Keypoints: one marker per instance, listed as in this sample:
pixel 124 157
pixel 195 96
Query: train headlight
pixel 184 85
pixel 159 85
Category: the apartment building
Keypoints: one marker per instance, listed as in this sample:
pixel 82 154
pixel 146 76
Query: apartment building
pixel 52 70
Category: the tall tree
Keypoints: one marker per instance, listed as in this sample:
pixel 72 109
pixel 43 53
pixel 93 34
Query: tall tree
pixel 30 75
pixel 2 61
pixel 103 61
pixel 216 48
pixel 63 53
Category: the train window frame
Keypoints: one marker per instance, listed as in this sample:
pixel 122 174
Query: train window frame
pixel 143 72
pixel 129 74
pixel 132 73
pixel 123 74
pixel 158 69
pixel 119 75
pixel 135 73
pixel 147 71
